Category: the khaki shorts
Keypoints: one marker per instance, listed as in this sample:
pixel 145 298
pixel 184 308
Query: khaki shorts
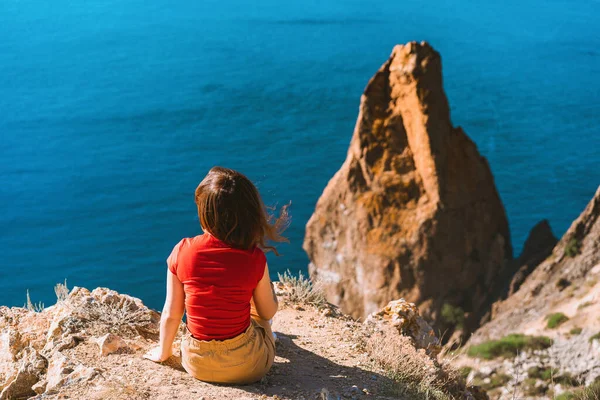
pixel 243 359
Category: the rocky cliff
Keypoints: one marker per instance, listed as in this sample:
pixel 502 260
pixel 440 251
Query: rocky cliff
pixel 569 273
pixel 413 212
pixel 90 346
pixel 559 304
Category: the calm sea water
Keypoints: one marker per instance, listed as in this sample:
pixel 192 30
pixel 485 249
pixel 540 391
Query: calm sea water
pixel 111 112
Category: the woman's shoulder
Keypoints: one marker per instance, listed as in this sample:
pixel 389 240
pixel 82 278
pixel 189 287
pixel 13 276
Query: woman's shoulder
pixel 259 255
pixel 188 242
pixel 182 247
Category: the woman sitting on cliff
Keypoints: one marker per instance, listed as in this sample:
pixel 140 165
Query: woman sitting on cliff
pixel 221 280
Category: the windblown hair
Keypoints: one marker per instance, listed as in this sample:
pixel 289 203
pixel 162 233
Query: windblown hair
pixel 230 209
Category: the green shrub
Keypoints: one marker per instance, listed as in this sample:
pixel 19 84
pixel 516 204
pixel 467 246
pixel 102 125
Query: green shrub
pixel 535 372
pixel 453 315
pixel 575 331
pixel 509 346
pixel 549 374
pixel 496 380
pixel 545 374
pixel 565 396
pixel 555 320
pixel 566 379
pixel 595 337
pixel 572 248
pixel 531 388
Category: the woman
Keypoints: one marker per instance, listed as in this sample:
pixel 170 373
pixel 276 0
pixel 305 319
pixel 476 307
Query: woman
pixel 221 280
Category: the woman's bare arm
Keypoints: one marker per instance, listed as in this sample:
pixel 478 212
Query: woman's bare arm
pixel 169 320
pixel 264 297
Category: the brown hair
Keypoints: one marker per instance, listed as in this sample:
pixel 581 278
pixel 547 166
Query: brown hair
pixel 230 209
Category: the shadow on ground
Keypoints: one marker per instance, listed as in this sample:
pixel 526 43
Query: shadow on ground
pixel 304 374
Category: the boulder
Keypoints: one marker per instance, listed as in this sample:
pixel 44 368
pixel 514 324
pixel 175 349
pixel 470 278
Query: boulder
pixel 413 212
pixel 405 317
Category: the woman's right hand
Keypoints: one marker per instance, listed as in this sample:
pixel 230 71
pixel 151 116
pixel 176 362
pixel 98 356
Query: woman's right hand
pixel 157 354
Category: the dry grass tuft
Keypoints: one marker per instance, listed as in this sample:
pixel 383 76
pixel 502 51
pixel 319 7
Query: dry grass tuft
pixel 301 290
pixel 31 306
pixel 119 317
pixel 414 374
pixel 591 392
pixel 62 291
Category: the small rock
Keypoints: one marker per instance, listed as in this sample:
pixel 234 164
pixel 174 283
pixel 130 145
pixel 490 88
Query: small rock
pixel 39 387
pixel 58 368
pixel 486 370
pixel 81 373
pixel 327 312
pixel 69 342
pixel 110 343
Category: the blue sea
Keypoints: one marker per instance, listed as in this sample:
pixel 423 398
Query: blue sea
pixel 111 112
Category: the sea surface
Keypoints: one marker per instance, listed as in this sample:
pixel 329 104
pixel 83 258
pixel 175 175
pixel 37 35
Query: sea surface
pixel 111 112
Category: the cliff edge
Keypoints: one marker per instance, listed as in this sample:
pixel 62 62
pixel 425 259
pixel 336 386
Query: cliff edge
pixel 90 346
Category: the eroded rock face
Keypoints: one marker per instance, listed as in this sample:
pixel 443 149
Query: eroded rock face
pixel 413 212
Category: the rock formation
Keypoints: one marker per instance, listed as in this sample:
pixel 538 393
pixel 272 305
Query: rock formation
pixel 413 212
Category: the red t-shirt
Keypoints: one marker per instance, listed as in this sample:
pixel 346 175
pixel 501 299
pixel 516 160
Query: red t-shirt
pixel 218 281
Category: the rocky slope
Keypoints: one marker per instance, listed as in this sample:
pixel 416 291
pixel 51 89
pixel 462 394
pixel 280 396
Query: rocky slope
pixel 90 346
pixel 559 300
pixel 413 212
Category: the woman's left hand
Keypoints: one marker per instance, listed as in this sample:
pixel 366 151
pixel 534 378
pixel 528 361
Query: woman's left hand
pixel 156 354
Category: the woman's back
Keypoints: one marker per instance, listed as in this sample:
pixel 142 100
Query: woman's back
pixel 221 280
pixel 218 282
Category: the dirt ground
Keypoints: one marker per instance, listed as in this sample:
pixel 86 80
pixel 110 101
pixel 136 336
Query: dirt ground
pixel 318 357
